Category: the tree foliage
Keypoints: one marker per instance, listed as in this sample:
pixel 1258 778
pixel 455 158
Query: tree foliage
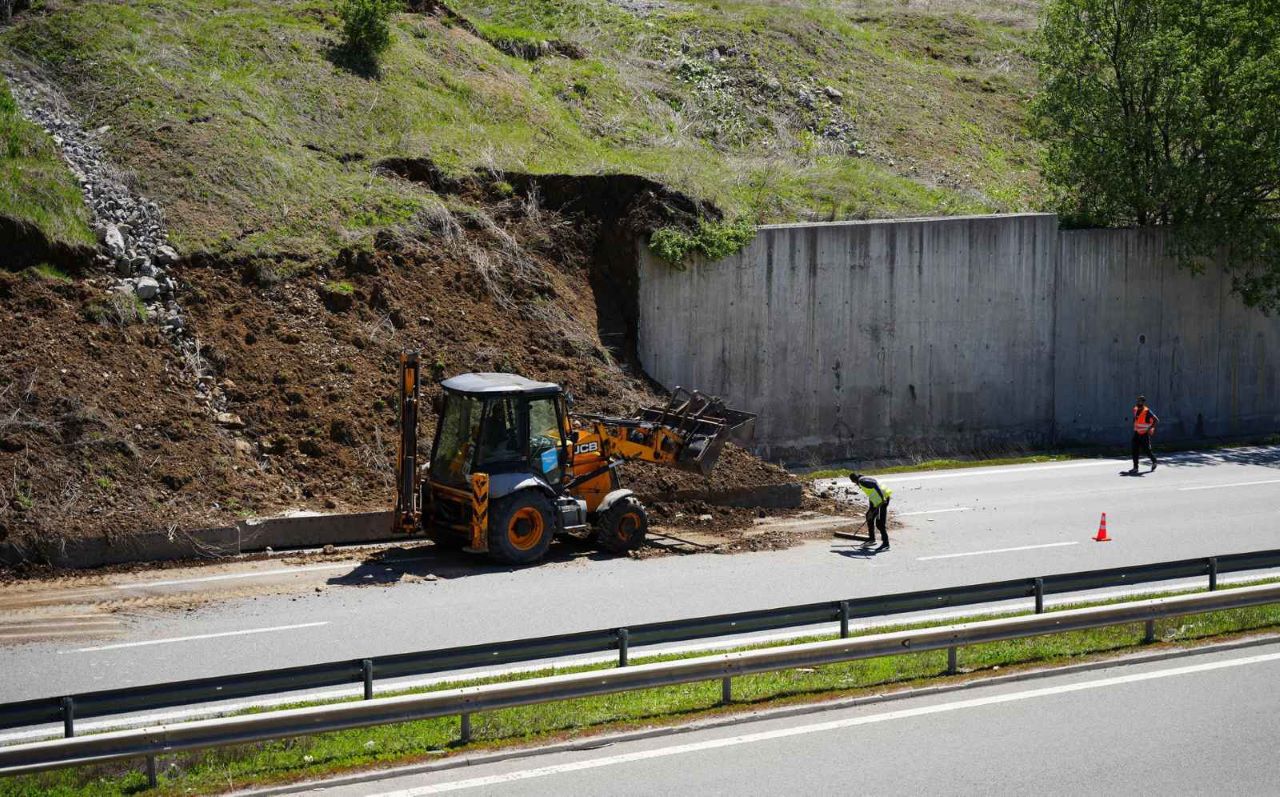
pixel 1167 112
pixel 366 25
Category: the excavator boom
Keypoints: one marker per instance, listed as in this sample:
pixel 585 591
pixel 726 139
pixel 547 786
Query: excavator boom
pixel 687 433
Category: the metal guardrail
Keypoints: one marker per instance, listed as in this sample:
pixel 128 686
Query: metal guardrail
pixel 67 709
pixel 164 739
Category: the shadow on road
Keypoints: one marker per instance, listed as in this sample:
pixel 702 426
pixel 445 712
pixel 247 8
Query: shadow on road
pixel 429 562
pixel 1263 456
pixel 864 551
pixel 426 561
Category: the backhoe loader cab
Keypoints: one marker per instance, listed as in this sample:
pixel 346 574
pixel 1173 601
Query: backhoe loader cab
pixel 510 467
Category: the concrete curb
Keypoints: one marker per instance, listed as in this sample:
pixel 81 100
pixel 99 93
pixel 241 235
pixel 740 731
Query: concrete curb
pixel 248 536
pixel 783 712
pixel 310 531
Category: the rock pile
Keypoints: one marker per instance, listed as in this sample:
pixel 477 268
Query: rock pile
pixel 134 246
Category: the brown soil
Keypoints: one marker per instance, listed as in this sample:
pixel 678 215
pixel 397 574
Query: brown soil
pixel 102 432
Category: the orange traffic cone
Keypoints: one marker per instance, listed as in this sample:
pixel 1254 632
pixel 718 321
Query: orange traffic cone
pixel 1102 530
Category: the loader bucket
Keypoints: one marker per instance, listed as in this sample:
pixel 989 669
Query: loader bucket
pixel 705 423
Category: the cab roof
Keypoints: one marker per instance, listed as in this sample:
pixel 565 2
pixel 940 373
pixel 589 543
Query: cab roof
pixel 490 384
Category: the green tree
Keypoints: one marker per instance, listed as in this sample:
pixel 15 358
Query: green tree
pixel 366 26
pixel 1167 112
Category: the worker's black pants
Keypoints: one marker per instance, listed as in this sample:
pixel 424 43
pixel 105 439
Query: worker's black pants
pixel 877 517
pixel 1141 445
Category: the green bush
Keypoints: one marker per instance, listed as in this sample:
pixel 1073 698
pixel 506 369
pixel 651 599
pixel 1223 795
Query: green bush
pixel 366 25
pixel 713 240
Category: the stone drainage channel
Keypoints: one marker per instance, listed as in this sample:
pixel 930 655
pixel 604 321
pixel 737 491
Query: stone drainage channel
pixel 134 250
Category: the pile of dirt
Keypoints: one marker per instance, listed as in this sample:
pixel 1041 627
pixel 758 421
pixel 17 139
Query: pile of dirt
pixel 736 469
pixel 104 429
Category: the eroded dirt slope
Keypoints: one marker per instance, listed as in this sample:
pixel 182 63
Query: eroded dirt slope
pixel 105 430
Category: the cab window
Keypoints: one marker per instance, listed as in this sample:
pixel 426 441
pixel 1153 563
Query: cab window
pixel 546 439
pixel 451 461
pixel 500 443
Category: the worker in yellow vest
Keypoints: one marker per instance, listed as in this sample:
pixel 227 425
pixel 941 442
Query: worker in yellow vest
pixel 1144 428
pixel 877 509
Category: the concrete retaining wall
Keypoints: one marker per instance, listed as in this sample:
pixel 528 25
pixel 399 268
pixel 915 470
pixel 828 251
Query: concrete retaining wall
pixel 1129 321
pixel 931 336
pixel 249 536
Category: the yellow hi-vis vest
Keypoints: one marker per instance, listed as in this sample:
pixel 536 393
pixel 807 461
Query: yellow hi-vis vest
pixel 873 495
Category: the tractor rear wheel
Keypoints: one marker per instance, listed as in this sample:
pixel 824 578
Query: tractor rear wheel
pixel 521 526
pixel 622 527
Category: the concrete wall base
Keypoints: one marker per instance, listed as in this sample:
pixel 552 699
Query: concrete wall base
pixel 250 536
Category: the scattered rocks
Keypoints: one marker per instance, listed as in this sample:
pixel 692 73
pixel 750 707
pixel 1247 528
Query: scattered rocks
pixel 166 254
pixel 833 93
pixel 146 288
pixel 135 244
pixel 113 240
pixel 230 420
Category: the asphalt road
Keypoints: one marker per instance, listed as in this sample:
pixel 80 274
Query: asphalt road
pixel 1203 724
pixel 963 527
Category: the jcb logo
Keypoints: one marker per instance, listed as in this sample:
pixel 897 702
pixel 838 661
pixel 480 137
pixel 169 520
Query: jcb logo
pixel 587 448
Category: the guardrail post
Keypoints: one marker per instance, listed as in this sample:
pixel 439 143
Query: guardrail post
pixel 952 667
pixel 366 672
pixel 151 771
pixel 624 643
pixel 844 619
pixel 1039 596
pixel 1149 635
pixel 68 717
pixel 1213 573
pixel 465 732
pixel 726 691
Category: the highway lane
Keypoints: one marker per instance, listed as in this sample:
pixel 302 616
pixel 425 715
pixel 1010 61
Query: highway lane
pixel 1203 724
pixel 962 527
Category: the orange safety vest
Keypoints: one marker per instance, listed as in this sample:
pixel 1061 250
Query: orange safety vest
pixel 1142 420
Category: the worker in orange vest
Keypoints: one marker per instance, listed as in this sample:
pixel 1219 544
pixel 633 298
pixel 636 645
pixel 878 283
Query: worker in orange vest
pixel 1144 428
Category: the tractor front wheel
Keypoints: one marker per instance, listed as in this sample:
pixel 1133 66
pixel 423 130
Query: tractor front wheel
pixel 622 527
pixel 521 527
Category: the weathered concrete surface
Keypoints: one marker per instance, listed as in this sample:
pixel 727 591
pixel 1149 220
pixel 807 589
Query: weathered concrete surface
pixel 865 339
pixel 249 536
pixel 1130 321
pixel 920 337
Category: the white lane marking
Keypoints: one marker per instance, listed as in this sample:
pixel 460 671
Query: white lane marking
pixel 995 550
pixel 823 727
pixel 198 636
pixel 934 511
pixel 257 574
pixel 1233 484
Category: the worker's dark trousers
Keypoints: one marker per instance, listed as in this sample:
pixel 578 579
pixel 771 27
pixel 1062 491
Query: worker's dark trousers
pixel 877 516
pixel 1141 445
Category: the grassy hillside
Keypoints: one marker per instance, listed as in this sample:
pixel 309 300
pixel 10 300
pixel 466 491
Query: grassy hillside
pixel 242 118
pixel 270 153
pixel 36 188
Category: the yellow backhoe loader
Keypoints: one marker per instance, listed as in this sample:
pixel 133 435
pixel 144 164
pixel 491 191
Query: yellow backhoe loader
pixel 511 466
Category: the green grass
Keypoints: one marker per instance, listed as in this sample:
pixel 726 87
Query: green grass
pixel 36 187
pixel 51 273
pixel 938 464
pixel 327 754
pixel 243 120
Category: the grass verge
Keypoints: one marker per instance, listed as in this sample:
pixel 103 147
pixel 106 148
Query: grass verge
pixel 1060 456
pixel 939 464
pixel 36 188
pixel 333 753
